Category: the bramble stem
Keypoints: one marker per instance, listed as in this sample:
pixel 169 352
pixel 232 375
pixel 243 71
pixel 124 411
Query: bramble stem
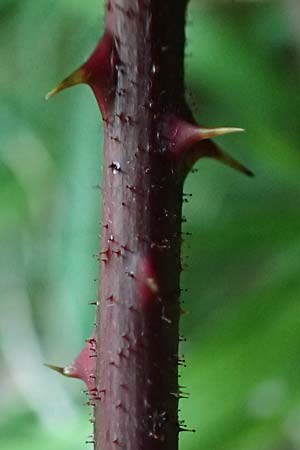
pixel 137 329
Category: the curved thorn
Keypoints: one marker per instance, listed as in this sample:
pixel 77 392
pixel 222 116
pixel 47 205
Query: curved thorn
pixel 77 77
pixel 207 133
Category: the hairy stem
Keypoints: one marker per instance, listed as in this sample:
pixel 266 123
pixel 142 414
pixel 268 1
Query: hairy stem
pixel 138 315
pixel 130 365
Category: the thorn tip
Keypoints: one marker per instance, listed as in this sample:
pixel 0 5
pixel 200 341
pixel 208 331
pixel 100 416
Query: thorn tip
pixel 207 133
pixel 62 370
pixel 77 77
pixel 216 153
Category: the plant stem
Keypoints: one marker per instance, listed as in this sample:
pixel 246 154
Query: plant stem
pixel 151 144
pixel 137 329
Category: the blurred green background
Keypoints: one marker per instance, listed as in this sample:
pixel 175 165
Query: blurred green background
pixel 243 329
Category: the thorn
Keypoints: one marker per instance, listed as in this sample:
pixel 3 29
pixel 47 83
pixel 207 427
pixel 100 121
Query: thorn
pixel 182 134
pixel 191 142
pixel 233 163
pixel 211 150
pixel 65 371
pixel 83 367
pixel 77 77
pixel 98 72
pixel 207 133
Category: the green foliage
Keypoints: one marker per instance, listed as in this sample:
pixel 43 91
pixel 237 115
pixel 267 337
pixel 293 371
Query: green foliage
pixel 243 330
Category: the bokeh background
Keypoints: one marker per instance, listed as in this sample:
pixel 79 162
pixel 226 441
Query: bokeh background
pixel 242 320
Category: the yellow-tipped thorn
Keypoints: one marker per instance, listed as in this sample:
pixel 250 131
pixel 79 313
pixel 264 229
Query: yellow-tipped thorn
pixel 208 133
pixel 77 77
pixel 62 370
